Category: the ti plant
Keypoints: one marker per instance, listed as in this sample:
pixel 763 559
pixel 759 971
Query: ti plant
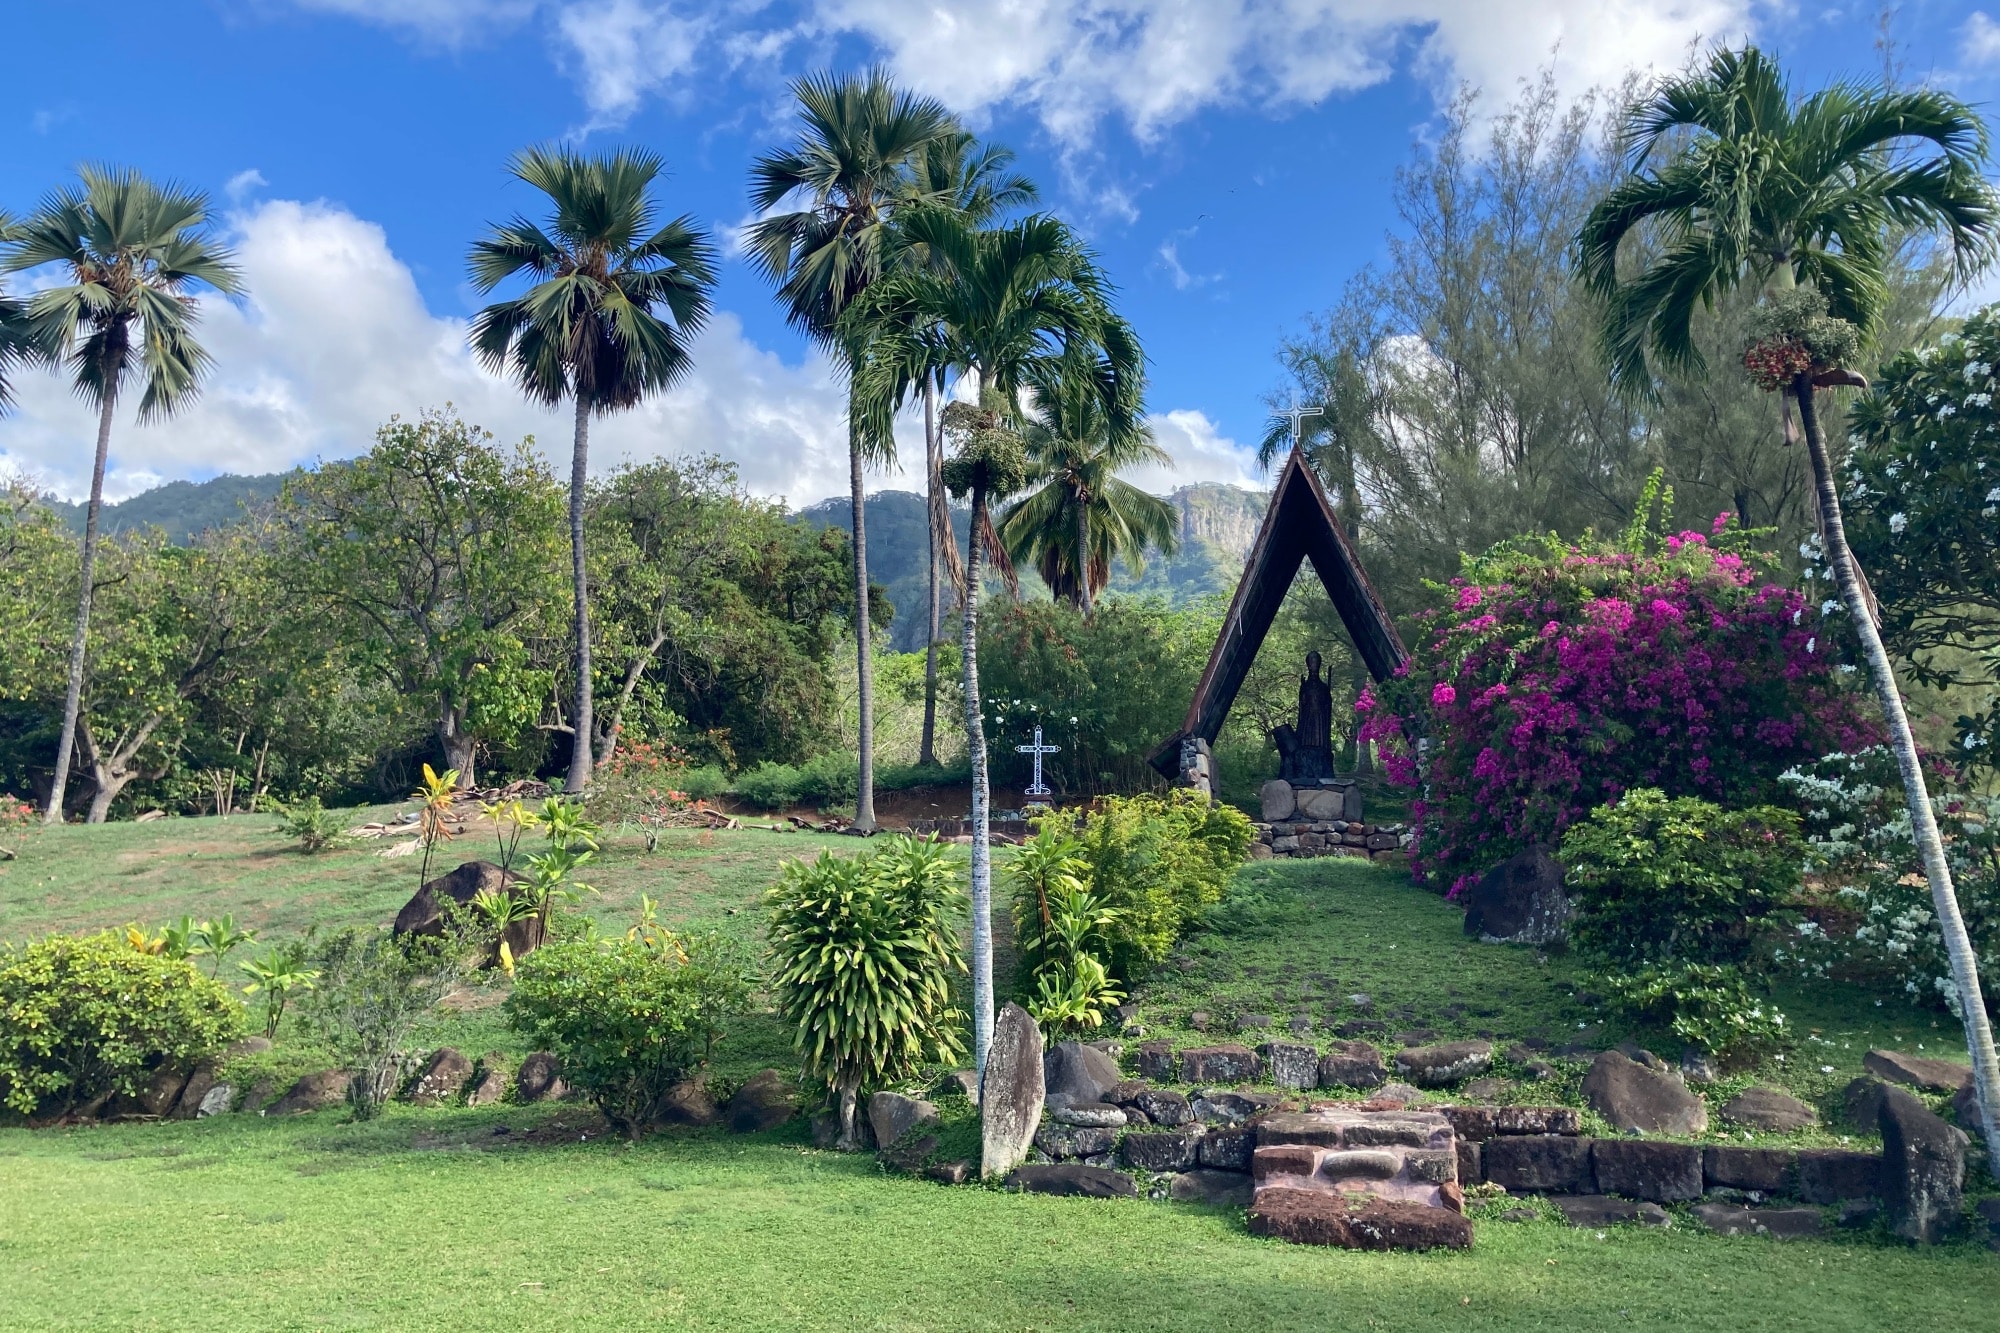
pixel 217 939
pixel 510 820
pixel 277 978
pixel 1073 989
pixel 497 910
pixel 434 798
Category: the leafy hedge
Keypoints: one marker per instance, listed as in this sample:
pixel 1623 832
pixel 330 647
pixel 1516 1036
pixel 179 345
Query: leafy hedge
pixel 1156 862
pixel 83 1017
pixel 630 1018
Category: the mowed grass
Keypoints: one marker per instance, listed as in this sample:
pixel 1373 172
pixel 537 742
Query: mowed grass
pixel 428 1218
pixel 418 1222
pixel 80 878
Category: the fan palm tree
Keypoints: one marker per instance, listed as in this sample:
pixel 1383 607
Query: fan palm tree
pixel 1759 186
pixel 1079 504
pixel 133 253
pixel 843 177
pixel 1007 306
pixel 614 302
pixel 15 346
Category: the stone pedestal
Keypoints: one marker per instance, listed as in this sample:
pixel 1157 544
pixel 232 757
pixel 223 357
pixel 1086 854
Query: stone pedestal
pixel 1322 819
pixel 1333 798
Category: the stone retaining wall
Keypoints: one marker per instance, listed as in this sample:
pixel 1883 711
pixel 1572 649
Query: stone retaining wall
pixel 1330 837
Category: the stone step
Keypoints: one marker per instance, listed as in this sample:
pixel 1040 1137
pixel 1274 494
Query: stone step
pixel 1321 1217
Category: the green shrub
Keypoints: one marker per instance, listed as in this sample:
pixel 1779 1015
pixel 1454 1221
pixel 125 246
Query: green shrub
pixel 1710 1008
pixel 311 825
pixel 1061 934
pixel 1654 879
pixel 371 992
pixel 1158 861
pixel 82 1017
pixel 865 951
pixel 630 1018
pixel 769 786
pixel 830 779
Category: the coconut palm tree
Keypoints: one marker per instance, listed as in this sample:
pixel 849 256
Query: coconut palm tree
pixel 1756 185
pixel 1006 306
pixel 827 200
pixel 132 253
pixel 613 304
pixel 1079 504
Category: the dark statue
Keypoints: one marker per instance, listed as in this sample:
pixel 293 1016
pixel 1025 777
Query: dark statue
pixel 1305 752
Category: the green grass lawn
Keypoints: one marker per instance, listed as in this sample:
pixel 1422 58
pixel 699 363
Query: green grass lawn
pixel 429 1219
pixel 79 877
pixel 417 1222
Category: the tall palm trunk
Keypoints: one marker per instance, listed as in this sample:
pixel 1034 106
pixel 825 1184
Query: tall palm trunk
pixel 80 642
pixel 975 751
pixel 933 498
pixel 1964 963
pixel 579 468
pixel 864 798
pixel 1083 554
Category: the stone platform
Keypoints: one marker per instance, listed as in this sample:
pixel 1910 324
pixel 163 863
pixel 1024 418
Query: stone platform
pixel 1330 837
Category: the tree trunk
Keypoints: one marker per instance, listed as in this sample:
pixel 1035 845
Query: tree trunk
pixel 847 1106
pixel 579 467
pixel 607 743
pixel 864 796
pixel 1083 555
pixel 79 644
pixel 109 784
pixel 1923 823
pixel 458 751
pixel 933 492
pixel 975 751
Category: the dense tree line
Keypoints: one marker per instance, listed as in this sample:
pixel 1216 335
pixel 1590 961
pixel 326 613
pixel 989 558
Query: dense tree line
pixel 409 605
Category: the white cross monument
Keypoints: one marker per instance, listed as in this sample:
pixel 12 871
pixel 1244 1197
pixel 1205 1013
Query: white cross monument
pixel 1038 787
pixel 1298 416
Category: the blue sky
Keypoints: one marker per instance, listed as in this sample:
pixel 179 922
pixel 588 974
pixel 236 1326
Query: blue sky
pixel 1230 159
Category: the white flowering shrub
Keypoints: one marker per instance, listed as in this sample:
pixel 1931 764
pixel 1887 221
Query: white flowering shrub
pixel 1922 498
pixel 1869 915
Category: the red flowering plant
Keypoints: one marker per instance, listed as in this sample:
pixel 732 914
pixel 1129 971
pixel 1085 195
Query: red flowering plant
pixel 1557 676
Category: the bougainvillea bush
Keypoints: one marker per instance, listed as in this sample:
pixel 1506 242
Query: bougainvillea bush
pixel 1555 677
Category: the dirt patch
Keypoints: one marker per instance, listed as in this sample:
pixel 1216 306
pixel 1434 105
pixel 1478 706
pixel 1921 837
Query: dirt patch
pixel 472 999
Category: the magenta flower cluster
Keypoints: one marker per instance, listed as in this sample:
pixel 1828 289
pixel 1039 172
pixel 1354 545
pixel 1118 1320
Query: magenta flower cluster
pixel 1557 677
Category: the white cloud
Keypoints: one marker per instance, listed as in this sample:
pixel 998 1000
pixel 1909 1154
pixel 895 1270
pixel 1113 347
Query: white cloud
pixel 335 337
pixel 449 21
pixel 1155 63
pixel 1979 41
pixel 1077 63
pixel 626 50
pixel 1200 451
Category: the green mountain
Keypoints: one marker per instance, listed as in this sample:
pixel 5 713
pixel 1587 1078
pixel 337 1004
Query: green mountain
pixel 1218 525
pixel 181 509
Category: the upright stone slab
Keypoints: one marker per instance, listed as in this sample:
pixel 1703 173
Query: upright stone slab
pixel 1519 901
pixel 1923 1169
pixel 1010 1102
